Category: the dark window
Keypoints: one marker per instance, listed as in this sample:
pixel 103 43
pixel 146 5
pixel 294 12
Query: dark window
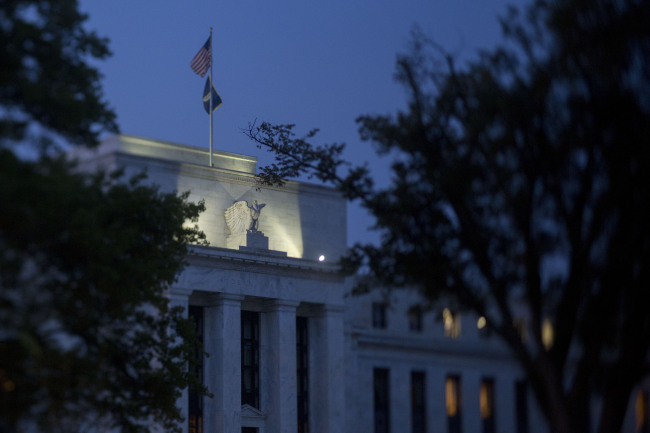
pixel 520 327
pixel 486 403
pixel 415 320
pixel 453 403
pixel 302 366
pixel 382 400
pixel 195 400
pixel 418 402
pixel 249 430
pixel 641 412
pixel 250 358
pixel 379 315
pixel 521 406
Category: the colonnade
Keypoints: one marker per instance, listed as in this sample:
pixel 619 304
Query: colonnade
pixel 278 374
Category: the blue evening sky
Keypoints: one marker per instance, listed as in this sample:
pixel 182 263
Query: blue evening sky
pixel 317 64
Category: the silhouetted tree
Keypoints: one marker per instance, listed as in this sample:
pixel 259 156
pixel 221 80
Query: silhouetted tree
pixel 88 340
pixel 45 75
pixel 520 187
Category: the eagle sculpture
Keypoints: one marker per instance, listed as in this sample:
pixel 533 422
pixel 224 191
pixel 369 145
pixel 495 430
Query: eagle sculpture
pixel 242 216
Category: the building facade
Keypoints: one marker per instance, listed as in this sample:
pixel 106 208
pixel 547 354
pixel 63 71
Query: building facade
pixel 290 350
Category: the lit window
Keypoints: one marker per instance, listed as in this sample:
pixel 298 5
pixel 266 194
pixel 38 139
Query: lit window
pixel 547 334
pixel 486 404
pixel 379 315
pixel 451 323
pixel 453 404
pixel 481 325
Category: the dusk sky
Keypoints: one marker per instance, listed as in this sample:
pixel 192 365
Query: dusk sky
pixel 316 64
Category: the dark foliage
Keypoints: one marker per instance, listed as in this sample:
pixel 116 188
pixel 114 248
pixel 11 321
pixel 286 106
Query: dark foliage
pixel 88 339
pixel 520 189
pixel 45 74
pixel 88 336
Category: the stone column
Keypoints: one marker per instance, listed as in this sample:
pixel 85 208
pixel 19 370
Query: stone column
pixel 399 389
pixel 278 375
pixel 179 297
pixel 222 370
pixel 327 371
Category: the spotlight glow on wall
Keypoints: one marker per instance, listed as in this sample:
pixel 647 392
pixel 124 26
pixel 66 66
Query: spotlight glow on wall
pixel 321 258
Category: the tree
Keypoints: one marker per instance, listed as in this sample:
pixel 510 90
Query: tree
pixel 88 339
pixel 45 76
pixel 520 186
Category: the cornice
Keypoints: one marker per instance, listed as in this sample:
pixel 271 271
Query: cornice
pixel 261 261
pixel 443 347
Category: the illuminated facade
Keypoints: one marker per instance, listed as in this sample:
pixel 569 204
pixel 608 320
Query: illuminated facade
pixel 289 351
pixel 270 312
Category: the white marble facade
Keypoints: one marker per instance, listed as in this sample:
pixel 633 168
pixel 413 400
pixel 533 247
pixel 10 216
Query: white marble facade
pixel 347 342
pixel 285 280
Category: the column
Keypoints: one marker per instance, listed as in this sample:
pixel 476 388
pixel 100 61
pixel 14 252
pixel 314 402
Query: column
pixel 436 410
pixel 327 410
pixel 222 412
pixel 470 412
pixel 278 365
pixel 179 297
pixel 400 397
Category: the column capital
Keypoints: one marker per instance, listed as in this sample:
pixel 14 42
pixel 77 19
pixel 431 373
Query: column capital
pixel 179 293
pixel 331 310
pixel 222 298
pixel 211 299
pixel 281 305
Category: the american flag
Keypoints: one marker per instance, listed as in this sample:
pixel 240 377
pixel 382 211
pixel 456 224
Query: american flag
pixel 201 62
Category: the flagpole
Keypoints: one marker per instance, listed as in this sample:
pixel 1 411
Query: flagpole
pixel 210 90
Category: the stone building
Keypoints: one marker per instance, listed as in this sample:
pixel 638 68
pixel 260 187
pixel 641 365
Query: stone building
pixel 289 351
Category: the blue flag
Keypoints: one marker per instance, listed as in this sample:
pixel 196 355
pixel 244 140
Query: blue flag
pixel 216 99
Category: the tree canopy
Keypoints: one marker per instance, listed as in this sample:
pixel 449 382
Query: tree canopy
pixel 46 77
pixel 519 189
pixel 88 339
pixel 88 336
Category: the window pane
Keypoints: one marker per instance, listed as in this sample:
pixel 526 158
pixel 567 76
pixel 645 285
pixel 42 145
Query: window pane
pixel 453 403
pixel 418 402
pixel 382 399
pixel 379 315
pixel 486 403
pixel 250 368
pixel 641 412
pixel 302 373
pixel 195 400
pixel 521 402
pixel 451 323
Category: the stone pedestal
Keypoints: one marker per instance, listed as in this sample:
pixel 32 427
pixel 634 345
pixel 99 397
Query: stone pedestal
pixel 249 239
pixel 256 239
